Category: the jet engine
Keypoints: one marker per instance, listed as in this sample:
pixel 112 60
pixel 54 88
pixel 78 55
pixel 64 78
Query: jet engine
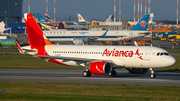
pixel 100 68
pixel 80 41
pixel 137 70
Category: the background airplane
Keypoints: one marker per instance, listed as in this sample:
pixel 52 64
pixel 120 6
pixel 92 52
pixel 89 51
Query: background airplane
pixel 97 60
pixel 48 18
pixel 80 18
pixel 82 36
pixel 40 18
pixel 109 21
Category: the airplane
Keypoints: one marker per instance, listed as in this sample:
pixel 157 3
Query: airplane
pixel 110 18
pixel 112 23
pixel 40 18
pixel 48 18
pixel 97 60
pixel 79 36
pixel 80 18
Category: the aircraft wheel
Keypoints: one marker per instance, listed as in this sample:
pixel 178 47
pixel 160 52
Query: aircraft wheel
pixel 86 73
pixel 153 75
pixel 113 73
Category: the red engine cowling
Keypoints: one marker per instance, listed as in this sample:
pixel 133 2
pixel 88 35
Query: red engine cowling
pixel 137 70
pixel 100 68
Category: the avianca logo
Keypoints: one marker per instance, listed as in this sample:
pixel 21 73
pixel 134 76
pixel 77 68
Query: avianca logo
pixel 121 53
pixel 143 24
pixel 117 53
pixel 98 69
pixel 137 52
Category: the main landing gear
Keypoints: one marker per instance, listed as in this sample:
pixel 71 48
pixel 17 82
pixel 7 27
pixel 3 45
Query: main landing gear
pixel 113 73
pixel 153 75
pixel 86 73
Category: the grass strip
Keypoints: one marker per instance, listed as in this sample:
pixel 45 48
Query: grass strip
pixel 26 61
pixel 19 91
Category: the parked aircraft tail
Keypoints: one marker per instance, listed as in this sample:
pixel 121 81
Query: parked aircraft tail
pixel 109 19
pixel 23 17
pixel 151 18
pixel 35 34
pixel 40 18
pixel 80 18
pixel 142 24
pixel 48 18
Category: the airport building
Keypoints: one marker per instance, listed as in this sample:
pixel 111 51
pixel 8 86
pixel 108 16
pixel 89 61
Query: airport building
pixel 11 11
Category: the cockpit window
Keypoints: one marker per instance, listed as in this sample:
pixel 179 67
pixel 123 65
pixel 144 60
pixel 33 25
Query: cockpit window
pixel 162 53
pixel 158 54
pixel 166 53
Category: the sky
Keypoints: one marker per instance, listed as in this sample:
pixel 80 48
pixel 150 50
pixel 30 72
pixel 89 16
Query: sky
pixel 100 9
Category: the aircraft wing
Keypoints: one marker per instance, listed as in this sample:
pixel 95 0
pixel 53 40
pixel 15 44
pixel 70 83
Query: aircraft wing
pixel 83 60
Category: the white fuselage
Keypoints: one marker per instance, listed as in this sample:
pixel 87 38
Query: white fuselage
pixel 117 23
pixel 112 35
pixel 120 56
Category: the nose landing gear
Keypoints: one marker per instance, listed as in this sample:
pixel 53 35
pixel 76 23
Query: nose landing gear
pixel 153 75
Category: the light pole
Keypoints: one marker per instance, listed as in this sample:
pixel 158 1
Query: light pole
pixel 5 21
pixel 5 17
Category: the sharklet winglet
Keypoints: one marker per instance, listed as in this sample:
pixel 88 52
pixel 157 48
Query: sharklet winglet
pixel 19 47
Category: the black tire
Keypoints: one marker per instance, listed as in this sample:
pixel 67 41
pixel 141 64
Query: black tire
pixel 89 73
pixel 86 73
pixel 113 73
pixel 153 75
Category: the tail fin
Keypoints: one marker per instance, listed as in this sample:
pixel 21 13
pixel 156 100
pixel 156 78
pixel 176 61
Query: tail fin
pixel 135 43
pixel 151 18
pixel 40 18
pixel 142 24
pixel 35 35
pixel 109 19
pixel 80 18
pixel 48 18
pixel 23 17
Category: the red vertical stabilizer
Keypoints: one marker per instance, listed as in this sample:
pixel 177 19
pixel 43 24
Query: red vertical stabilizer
pixel 35 34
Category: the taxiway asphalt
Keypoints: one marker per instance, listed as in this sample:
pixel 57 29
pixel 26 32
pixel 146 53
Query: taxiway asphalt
pixel 75 76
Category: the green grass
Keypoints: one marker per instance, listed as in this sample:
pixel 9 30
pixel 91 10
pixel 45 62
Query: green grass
pixel 173 50
pixel 25 61
pixel 18 91
pixel 8 50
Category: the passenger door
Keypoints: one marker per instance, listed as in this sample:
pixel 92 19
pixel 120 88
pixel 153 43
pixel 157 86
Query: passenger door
pixel 147 54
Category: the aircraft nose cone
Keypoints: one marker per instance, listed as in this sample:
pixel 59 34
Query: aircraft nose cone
pixel 171 61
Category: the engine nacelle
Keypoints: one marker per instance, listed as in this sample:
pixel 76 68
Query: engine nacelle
pixel 80 41
pixel 100 68
pixel 137 70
